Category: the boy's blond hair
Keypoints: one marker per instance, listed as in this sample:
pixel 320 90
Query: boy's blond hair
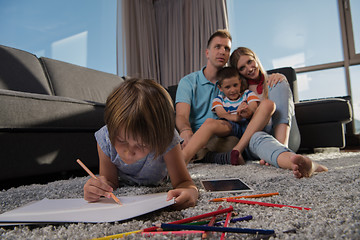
pixel 141 109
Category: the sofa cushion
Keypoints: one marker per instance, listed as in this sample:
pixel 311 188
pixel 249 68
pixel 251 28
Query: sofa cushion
pixel 323 111
pixel 34 112
pixel 69 80
pixel 22 71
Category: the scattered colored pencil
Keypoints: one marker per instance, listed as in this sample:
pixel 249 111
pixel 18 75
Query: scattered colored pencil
pixel 191 219
pixel 211 223
pixel 93 176
pixel 265 204
pixel 245 196
pixel 215 229
pixel 204 222
pixel 121 235
pixel 185 232
pixel 226 225
pixel 233 220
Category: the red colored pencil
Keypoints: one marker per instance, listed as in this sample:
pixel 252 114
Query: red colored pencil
pixel 225 225
pixel 191 219
pixel 211 223
pixel 265 204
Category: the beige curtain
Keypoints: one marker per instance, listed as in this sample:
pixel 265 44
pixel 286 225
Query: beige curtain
pixel 139 35
pixel 166 40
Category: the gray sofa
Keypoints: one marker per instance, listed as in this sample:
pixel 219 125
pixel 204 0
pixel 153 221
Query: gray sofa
pixel 49 113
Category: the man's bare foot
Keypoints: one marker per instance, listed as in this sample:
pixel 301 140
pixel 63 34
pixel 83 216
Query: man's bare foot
pixel 305 167
pixel 236 158
pixel 262 162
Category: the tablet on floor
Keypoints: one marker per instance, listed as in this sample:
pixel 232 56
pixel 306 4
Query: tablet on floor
pixel 225 185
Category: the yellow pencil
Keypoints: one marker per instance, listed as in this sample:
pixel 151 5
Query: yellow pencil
pixel 248 196
pixel 93 176
pixel 121 235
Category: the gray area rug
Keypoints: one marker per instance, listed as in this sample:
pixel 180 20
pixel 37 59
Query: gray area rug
pixel 334 197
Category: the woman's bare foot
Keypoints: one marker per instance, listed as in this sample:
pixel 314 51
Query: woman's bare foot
pixel 236 158
pixel 305 167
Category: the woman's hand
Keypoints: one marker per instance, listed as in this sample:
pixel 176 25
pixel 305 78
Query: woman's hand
pixel 274 78
pixel 96 188
pixel 184 197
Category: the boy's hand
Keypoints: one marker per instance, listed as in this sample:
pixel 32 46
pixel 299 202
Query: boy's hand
pixel 96 188
pixel 243 106
pixel 244 111
pixel 184 197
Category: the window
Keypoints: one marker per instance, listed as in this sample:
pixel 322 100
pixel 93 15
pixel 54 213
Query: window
pixel 321 84
pixel 281 35
pixel 355 86
pixel 81 32
pixel 352 16
pixel 353 26
pixel 307 36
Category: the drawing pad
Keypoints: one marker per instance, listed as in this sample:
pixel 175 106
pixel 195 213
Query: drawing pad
pixel 78 210
pixel 225 185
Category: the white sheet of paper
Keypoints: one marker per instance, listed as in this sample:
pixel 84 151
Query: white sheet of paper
pixel 79 210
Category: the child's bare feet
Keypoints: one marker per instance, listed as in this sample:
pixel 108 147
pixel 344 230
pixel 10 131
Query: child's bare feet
pixel 305 167
pixel 236 158
pixel 262 162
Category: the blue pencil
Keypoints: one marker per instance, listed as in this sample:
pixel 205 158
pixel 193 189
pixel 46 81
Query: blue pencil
pixel 246 218
pixel 215 229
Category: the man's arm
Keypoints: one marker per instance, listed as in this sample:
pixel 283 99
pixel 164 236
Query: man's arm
pixel 182 121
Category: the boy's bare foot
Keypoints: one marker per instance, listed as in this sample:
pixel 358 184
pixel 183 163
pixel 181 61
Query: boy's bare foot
pixel 305 167
pixel 236 158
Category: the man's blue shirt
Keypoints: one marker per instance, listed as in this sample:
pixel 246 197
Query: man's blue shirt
pixel 195 90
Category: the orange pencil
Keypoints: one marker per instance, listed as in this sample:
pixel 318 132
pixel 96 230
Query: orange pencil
pixel 248 196
pixel 93 176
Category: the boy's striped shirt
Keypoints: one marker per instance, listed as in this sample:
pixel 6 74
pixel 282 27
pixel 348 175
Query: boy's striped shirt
pixel 231 106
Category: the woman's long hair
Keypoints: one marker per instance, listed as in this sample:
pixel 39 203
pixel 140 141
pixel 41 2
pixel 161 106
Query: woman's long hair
pixel 240 51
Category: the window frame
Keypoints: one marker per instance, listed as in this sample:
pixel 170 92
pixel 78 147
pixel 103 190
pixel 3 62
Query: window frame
pixel 350 56
pixel 346 9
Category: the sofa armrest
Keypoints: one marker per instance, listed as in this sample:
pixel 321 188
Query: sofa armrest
pixel 31 111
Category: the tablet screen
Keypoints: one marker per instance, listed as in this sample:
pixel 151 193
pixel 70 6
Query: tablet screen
pixel 225 185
